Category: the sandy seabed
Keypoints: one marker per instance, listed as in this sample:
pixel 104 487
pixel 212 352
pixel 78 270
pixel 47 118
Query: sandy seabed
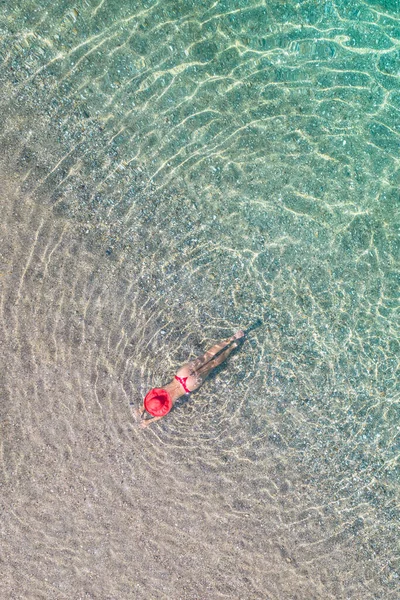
pixel 214 502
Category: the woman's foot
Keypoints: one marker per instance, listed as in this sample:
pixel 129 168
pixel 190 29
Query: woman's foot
pixel 239 334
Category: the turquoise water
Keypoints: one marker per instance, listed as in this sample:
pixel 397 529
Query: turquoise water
pixel 173 171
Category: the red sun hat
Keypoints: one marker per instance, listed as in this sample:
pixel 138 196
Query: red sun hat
pixel 158 402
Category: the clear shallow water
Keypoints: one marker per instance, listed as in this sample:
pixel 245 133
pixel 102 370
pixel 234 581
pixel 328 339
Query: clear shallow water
pixel 171 171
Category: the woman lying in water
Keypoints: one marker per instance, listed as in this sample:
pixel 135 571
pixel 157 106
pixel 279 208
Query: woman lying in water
pixel 159 401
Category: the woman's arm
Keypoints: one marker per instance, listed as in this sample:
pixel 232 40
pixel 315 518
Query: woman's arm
pixel 147 422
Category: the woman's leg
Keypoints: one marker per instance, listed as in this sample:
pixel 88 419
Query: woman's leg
pixel 198 370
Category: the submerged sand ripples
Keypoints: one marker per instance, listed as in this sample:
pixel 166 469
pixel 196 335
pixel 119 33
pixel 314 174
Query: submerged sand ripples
pixel 171 172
